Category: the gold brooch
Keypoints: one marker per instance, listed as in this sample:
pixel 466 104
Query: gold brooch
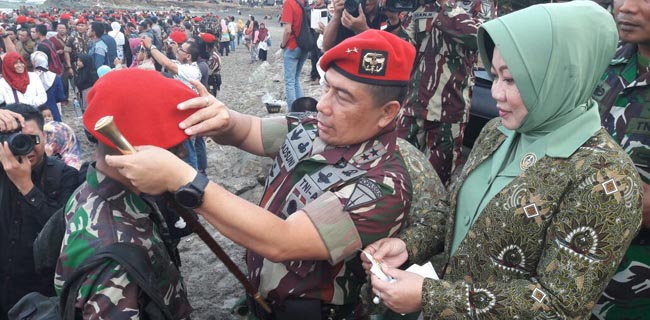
pixel 527 161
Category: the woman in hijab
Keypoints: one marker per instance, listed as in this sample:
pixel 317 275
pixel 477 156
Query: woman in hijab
pixel 262 44
pixel 61 141
pixel 17 85
pixel 52 83
pixel 86 77
pixel 224 38
pixel 120 40
pixel 547 202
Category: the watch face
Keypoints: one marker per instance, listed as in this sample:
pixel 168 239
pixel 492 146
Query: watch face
pixel 187 198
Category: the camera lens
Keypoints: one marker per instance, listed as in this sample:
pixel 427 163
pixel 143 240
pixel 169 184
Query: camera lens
pixel 20 144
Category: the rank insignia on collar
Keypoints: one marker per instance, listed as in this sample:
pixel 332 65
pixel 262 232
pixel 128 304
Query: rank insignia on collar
pixel 365 192
pixel 373 62
pixel 527 161
pixel 376 151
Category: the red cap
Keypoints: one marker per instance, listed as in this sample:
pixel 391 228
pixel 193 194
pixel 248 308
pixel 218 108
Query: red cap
pixel 30 20
pixel 80 20
pixel 66 16
pixel 197 19
pixel 145 117
pixel 178 36
pixel 207 37
pixel 374 57
pixel 21 19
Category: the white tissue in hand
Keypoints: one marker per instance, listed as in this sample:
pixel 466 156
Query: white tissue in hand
pixel 376 268
pixel 426 270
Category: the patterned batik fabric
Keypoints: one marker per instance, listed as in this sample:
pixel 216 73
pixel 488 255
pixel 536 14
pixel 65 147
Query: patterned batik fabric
pixel 354 195
pixel 545 245
pixel 102 212
pixel 624 96
pixel 437 103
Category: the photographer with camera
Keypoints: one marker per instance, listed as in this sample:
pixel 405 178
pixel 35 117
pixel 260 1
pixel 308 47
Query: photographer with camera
pixel 32 187
pixel 436 109
pixel 353 17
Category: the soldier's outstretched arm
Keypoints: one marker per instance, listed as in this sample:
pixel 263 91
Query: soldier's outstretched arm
pixel 296 238
pixel 213 119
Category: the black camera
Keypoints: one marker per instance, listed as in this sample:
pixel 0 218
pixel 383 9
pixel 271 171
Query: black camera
pixel 401 5
pixel 20 144
pixel 352 6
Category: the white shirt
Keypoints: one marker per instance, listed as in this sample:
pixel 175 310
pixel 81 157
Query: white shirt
pixel 35 94
pixel 187 72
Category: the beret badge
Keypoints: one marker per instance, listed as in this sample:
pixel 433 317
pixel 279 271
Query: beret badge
pixel 373 62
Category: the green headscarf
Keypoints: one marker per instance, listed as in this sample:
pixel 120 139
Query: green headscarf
pixel 556 54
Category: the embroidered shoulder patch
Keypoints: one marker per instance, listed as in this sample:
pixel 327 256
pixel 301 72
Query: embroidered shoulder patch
pixel 365 192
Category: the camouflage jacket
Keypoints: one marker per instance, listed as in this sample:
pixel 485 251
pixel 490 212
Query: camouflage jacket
pixel 624 100
pixel 102 212
pixel 442 76
pixel 624 95
pixel 354 195
pixel 77 44
pixel 543 247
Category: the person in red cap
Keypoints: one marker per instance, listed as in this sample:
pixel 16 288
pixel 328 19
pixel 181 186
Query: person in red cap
pixel 337 184
pixel 107 209
pixel 78 43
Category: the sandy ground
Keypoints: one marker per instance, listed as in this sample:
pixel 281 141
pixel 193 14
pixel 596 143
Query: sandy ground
pixel 212 289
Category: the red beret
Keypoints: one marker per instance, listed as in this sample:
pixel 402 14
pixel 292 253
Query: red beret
pixel 197 19
pixel 178 36
pixel 81 20
pixel 373 57
pixel 145 117
pixel 43 15
pixel 66 16
pixel 21 19
pixel 30 19
pixel 207 37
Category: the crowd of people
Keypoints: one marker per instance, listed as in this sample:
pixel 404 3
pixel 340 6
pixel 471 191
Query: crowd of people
pixel 548 217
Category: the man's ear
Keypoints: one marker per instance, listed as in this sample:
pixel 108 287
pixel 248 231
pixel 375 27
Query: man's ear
pixel 389 112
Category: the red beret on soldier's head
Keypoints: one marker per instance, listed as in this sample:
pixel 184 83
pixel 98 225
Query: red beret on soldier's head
pixel 145 117
pixel 178 36
pixel 80 20
pixel 21 19
pixel 197 19
pixel 207 37
pixel 66 16
pixel 373 57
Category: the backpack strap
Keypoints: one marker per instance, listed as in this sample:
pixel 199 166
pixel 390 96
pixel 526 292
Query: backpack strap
pixel 134 259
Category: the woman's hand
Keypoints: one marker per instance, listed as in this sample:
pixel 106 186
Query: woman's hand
pixel 153 170
pixel 403 294
pixel 389 251
pixel 211 117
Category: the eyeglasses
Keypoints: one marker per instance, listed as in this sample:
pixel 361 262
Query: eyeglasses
pixel 182 50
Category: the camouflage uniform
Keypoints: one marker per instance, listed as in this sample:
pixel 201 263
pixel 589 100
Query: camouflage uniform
pixel 102 212
pixel 77 44
pixel 438 99
pixel 428 191
pixel 623 96
pixel 354 195
pixel 544 246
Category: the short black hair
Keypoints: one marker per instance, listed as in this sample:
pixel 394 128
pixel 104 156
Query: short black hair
pixel 43 107
pixel 41 28
pixel 384 94
pixel 97 28
pixel 28 112
pixel 193 50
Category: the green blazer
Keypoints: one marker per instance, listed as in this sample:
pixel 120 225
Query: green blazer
pixel 544 247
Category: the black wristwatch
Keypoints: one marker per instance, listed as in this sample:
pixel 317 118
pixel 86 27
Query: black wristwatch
pixel 191 195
